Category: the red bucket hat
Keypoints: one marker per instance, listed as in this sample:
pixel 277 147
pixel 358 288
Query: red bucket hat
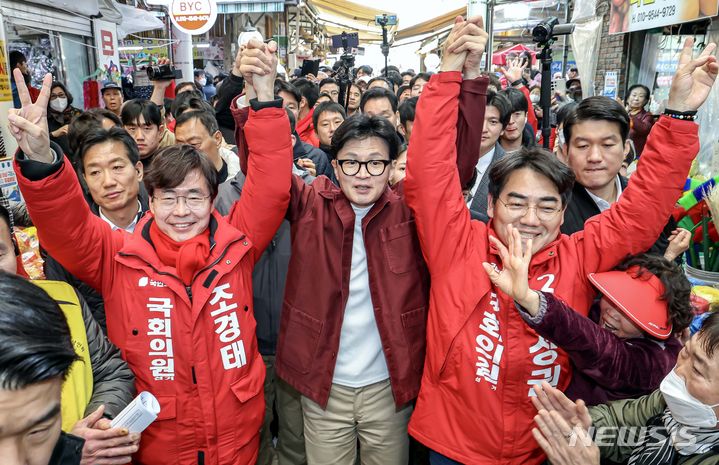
pixel 637 293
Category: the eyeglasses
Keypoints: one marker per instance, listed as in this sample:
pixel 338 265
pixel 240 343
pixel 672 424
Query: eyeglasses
pixel 519 209
pixel 193 202
pixel 56 96
pixel 373 167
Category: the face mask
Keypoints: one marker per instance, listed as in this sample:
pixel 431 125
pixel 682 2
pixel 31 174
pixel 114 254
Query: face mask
pixel 534 98
pixel 202 82
pixel 59 104
pixel 684 407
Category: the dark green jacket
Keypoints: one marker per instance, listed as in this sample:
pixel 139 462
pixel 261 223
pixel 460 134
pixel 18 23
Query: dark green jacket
pixel 637 413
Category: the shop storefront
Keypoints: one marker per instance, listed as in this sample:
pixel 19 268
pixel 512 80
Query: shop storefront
pixel 54 41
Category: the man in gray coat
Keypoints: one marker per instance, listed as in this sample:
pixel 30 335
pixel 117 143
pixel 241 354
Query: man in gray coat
pixel 496 119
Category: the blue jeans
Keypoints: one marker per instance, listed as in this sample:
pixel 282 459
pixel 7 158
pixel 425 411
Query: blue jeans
pixel 436 458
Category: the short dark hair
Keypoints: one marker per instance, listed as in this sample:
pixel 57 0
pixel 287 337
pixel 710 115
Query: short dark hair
pixel 644 88
pixel 516 99
pixel 564 111
pixel 171 165
pixel 206 118
pixel 423 76
pixel 308 90
pixel 84 122
pixel 407 73
pixel 64 89
pixel 189 101
pixel 98 135
pixel 709 334
pixel 328 80
pixel 327 107
pixel 407 110
pixel 180 86
pixel 378 93
pixel 35 345
pixel 502 104
pixel 598 108
pixel 16 57
pixel 390 86
pixel 293 120
pixel 395 78
pixel 361 127
pixel 676 286
pixel 132 110
pixel 493 80
pixel 401 89
pixel 539 161
pixel 367 69
pixel 283 86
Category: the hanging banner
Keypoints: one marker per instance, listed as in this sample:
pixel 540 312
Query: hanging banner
pixel 193 16
pixel 108 55
pixel 5 90
pixel 638 15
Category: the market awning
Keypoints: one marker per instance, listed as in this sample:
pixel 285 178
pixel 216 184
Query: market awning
pixel 500 56
pixel 136 20
pixel 433 25
pixel 347 9
pixel 337 16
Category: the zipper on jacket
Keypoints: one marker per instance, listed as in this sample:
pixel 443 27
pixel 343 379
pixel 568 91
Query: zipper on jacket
pixel 200 457
pixel 189 292
pixel 194 378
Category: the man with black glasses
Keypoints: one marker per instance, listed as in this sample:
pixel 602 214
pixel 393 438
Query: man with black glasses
pixel 352 332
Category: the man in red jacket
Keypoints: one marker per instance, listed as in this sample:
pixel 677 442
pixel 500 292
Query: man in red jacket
pixel 178 291
pixel 482 359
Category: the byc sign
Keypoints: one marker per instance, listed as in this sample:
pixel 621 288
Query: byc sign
pixel 193 16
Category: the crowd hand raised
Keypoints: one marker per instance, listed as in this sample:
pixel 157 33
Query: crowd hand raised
pixel 513 279
pixel 514 69
pixel 105 445
pixel 694 78
pixel 28 124
pixel 473 41
pixel 258 66
pixel 60 131
pixel 564 444
pixel 679 242
pixel 552 399
pixel 454 60
pixel 307 164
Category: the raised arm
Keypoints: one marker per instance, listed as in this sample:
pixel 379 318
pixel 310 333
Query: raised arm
pixel 432 187
pixel 266 191
pixel 633 223
pixel 82 242
pixel 611 361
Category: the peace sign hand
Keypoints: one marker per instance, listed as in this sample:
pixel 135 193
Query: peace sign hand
pixel 29 123
pixel 694 78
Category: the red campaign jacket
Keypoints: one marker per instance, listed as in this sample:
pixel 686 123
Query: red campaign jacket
pixel 210 385
pixel 485 416
pixel 306 130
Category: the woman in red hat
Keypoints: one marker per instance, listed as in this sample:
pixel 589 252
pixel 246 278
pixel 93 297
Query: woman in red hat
pixel 631 342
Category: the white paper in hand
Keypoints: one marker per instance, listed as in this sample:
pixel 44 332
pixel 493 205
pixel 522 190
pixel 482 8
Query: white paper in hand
pixel 138 414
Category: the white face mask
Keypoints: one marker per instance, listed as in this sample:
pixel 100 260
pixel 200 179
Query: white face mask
pixel 534 98
pixel 684 407
pixel 202 82
pixel 59 104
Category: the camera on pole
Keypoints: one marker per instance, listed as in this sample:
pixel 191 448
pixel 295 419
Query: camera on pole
pixel 385 20
pixel 545 34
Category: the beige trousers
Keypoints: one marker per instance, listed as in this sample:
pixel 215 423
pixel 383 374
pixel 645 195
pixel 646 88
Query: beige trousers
pixel 366 415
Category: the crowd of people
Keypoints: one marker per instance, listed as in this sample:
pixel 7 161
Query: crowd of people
pixel 334 269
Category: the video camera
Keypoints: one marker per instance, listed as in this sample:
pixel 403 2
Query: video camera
pixel 163 73
pixel 548 30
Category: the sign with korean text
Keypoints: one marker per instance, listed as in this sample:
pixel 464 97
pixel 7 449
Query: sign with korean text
pixel 5 89
pixel 193 16
pixel 638 15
